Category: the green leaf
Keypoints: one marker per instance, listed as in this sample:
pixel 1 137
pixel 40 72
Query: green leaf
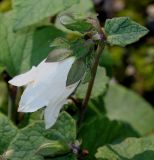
pixel 70 156
pixel 100 131
pixel 42 39
pixel 76 72
pixel 81 9
pixel 31 11
pixel 125 105
pixel 14 47
pixel 7 133
pixel 27 142
pixel 75 22
pixel 58 55
pixel 129 149
pixel 105 59
pixel 66 126
pixel 122 31
pixel 53 148
pixel 100 85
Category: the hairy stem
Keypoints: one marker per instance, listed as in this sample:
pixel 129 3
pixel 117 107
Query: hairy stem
pixel 99 51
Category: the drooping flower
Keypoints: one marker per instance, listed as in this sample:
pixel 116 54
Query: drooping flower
pixel 45 86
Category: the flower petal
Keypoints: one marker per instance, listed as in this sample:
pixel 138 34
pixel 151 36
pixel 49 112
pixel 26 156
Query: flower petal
pixel 53 109
pixel 33 98
pixel 55 72
pixel 24 79
pixel 51 113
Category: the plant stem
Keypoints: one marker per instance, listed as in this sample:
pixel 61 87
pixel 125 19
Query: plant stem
pixel 12 91
pixel 12 113
pixel 99 51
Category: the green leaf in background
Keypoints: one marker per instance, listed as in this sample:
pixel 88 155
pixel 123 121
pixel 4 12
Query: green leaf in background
pixel 100 85
pixel 101 131
pixel 7 133
pixel 123 31
pixel 125 105
pixel 106 61
pixel 2 68
pixel 42 38
pixel 81 8
pixel 32 11
pixel 14 47
pixel 28 140
pixel 129 149
pixel 65 157
pixel 3 97
pixel 66 126
pixel 76 72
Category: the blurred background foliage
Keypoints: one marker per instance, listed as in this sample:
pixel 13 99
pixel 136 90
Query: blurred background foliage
pixel 5 5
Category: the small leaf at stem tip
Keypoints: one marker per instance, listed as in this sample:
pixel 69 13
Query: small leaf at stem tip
pixel 53 148
pixel 76 72
pixel 122 31
pixel 58 55
pixel 76 23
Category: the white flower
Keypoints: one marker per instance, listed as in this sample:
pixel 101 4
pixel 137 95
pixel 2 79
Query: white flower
pixel 45 86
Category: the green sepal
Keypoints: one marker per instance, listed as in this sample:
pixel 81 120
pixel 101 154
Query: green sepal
pixel 76 72
pixel 87 76
pixel 81 47
pixel 58 55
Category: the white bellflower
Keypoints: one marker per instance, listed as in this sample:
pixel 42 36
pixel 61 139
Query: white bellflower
pixel 45 86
